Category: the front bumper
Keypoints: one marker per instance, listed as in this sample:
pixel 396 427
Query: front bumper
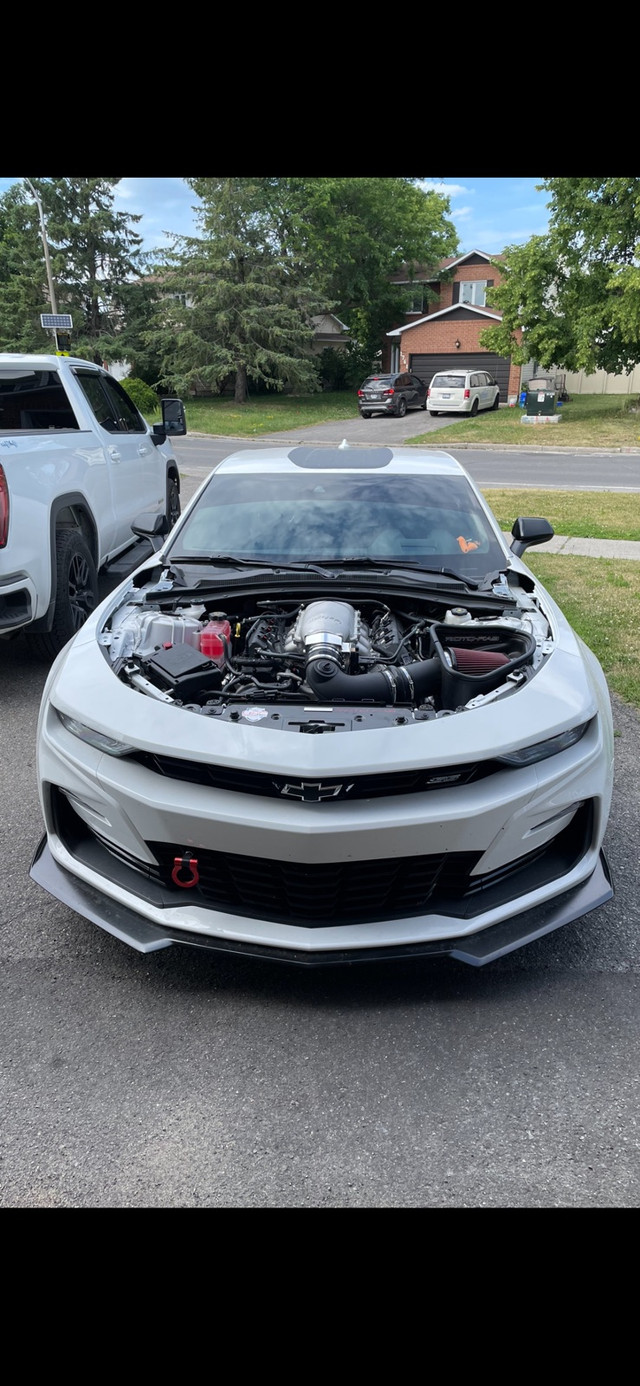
pixel 477 949
pixel 476 869
pixel 17 602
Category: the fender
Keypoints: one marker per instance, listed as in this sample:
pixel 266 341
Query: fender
pixel 73 501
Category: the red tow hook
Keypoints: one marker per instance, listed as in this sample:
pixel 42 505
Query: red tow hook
pixel 182 865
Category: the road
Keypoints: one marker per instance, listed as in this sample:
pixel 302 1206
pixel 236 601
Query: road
pixel 573 471
pixel 182 1080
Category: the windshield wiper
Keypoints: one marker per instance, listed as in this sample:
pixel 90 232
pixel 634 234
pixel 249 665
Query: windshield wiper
pixel 367 562
pixel 363 561
pixel 230 560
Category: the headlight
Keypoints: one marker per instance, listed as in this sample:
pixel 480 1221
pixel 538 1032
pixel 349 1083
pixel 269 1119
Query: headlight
pixel 94 738
pixel 542 749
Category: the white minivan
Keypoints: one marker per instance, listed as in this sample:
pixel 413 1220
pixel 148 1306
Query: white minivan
pixel 462 392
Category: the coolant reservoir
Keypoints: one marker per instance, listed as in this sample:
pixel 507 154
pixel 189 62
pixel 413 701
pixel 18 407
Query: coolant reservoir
pixel 215 639
pixel 457 616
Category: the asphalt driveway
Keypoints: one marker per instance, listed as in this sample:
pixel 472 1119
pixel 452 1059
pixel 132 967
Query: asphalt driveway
pixel 376 431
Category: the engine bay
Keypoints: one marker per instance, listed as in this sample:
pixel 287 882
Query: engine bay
pixel 324 663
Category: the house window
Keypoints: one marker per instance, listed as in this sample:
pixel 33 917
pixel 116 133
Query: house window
pixel 474 291
pixel 416 302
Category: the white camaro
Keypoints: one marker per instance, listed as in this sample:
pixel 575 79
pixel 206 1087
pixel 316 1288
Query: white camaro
pixel 334 718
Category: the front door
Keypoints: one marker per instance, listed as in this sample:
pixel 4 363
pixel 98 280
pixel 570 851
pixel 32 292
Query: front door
pixel 135 465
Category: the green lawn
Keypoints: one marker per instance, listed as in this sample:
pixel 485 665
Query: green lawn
pixel 586 421
pixel 580 514
pixel 273 413
pixel 599 596
pixel 601 599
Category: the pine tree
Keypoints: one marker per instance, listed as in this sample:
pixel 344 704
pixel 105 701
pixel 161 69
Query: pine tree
pixel 23 280
pixel 236 302
pixel 96 259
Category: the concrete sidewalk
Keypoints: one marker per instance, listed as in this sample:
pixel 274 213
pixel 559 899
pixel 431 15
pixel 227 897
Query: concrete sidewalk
pixel 587 548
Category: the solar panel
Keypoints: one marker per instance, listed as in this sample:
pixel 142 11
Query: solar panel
pixel 56 320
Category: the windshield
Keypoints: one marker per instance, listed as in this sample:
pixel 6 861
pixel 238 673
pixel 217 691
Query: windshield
pixel 432 520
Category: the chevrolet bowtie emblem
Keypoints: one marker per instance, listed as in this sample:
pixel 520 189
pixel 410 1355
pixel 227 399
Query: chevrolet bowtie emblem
pixel 311 792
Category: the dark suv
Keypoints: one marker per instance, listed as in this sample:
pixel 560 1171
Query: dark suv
pixel 391 394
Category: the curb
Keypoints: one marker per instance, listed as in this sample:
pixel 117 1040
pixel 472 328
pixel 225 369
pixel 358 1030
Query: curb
pixel 523 447
pixel 453 447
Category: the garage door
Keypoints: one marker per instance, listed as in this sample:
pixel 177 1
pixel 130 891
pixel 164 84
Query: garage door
pixel 498 366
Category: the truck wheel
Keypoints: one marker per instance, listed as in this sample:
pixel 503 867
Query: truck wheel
pixel 173 501
pixel 76 592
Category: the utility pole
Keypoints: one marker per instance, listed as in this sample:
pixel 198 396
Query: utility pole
pixel 43 232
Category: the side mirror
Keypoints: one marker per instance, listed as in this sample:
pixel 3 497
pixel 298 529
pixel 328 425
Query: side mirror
pixel 527 531
pixel 174 422
pixel 152 527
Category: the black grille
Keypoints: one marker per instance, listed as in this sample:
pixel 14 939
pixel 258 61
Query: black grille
pixel 374 786
pixel 320 894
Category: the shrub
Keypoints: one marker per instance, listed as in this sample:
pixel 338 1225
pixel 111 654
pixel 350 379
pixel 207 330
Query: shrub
pixel 144 398
pixel 339 370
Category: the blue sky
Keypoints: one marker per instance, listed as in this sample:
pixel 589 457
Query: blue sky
pixel 491 213
pixel 488 213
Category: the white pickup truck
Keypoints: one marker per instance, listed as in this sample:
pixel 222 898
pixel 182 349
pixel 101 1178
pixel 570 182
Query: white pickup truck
pixel 78 466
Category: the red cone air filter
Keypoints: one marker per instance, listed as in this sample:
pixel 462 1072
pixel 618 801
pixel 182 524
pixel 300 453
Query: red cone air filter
pixel 476 661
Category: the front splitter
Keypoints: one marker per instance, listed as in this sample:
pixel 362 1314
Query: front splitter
pixel 477 949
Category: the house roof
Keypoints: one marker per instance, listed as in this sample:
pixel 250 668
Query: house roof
pixel 430 275
pixel 453 260
pixel 319 318
pixel 443 313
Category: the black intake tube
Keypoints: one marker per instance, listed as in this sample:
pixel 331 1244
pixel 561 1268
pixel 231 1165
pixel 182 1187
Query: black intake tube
pixel 401 683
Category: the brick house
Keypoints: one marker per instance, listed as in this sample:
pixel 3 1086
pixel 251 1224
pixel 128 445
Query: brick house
pixel 443 333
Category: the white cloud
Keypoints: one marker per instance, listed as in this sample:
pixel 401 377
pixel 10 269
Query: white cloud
pixel 446 189
pixel 462 211
pixel 123 189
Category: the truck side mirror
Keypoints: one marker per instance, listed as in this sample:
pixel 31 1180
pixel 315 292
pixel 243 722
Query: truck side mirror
pixel 174 422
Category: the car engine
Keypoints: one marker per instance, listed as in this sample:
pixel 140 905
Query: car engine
pixel 429 658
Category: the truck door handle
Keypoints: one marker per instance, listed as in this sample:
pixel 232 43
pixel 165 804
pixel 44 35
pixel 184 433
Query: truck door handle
pixel 142 450
pixel 114 454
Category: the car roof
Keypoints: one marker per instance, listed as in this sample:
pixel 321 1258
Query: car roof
pixel 403 461
pixel 29 361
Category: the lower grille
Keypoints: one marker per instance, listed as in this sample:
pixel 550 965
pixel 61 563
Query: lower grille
pixel 325 894
pixel 329 894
